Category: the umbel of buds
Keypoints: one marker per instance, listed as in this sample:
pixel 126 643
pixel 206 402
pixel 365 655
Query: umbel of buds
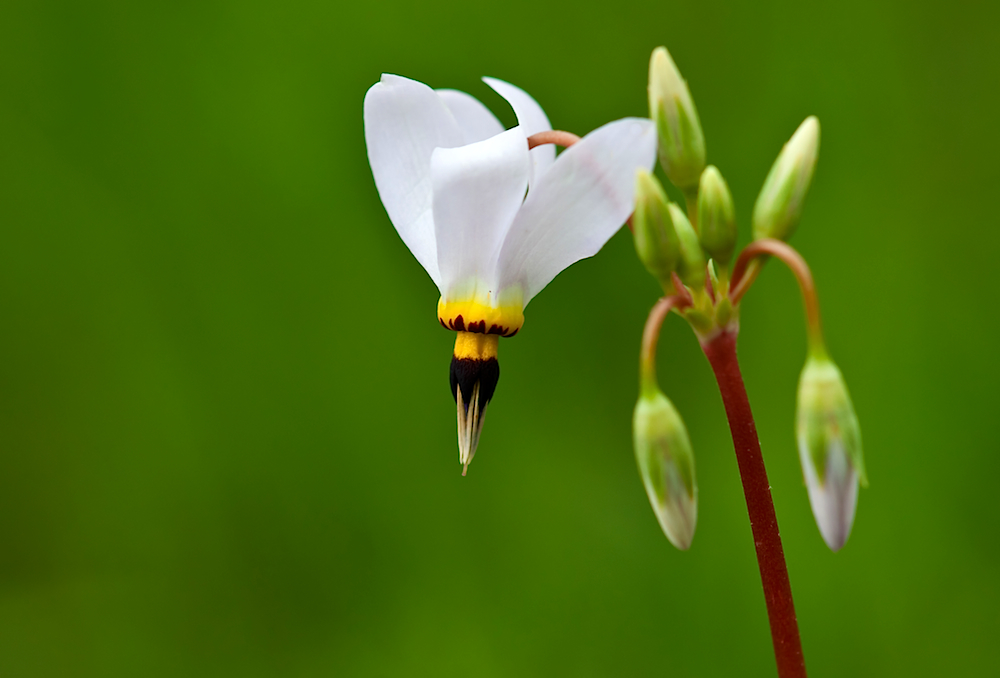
pixel 682 144
pixel 666 464
pixel 692 253
pixel 829 448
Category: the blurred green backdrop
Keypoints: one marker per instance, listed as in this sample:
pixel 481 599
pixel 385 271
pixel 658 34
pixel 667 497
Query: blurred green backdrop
pixel 227 445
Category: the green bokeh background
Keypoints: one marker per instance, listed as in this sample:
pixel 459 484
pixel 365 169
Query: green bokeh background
pixel 227 445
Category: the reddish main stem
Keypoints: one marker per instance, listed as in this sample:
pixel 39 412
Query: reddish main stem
pixel 721 353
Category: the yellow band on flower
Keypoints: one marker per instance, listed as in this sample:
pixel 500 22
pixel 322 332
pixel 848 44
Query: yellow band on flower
pixel 471 316
pixel 470 346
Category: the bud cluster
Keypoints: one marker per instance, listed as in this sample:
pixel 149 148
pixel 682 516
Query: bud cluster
pixel 691 251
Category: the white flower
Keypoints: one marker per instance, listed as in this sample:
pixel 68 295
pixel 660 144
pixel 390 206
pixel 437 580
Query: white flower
pixel 491 222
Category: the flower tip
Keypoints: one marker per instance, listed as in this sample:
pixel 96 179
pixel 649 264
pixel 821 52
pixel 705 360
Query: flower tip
pixel 475 372
pixel 834 500
pixel 683 543
pixel 805 142
pixel 682 521
pixel 661 64
pixel 645 183
pixel 810 126
pixel 471 414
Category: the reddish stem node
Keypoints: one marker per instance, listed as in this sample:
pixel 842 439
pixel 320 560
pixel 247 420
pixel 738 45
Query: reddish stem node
pixel 721 354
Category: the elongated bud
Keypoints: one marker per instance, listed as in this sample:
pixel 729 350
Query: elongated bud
pixel 682 144
pixel 691 263
pixel 666 464
pixel 716 217
pixel 655 237
pixel 779 205
pixel 829 449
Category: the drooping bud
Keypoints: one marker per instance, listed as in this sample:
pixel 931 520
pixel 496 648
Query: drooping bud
pixel 691 263
pixel 682 144
pixel 666 464
pixel 829 448
pixel 779 205
pixel 653 231
pixel 716 217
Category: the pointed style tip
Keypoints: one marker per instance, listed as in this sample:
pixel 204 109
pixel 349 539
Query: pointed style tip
pixel 474 377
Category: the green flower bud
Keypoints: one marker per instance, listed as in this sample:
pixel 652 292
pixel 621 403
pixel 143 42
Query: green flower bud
pixel 682 144
pixel 653 231
pixel 716 217
pixel 829 448
pixel 666 464
pixel 691 263
pixel 779 205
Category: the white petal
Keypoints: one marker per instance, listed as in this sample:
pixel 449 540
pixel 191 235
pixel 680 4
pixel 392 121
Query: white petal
pixel 405 121
pixel 476 121
pixel 532 119
pixel 477 191
pixel 577 205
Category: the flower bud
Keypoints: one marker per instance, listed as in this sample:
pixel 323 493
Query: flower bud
pixel 666 464
pixel 691 263
pixel 653 231
pixel 716 217
pixel 682 144
pixel 779 205
pixel 829 448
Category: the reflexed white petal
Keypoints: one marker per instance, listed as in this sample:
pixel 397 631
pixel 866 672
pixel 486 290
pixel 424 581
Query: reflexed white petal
pixel 476 121
pixel 477 191
pixel 405 121
pixel 582 200
pixel 532 119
